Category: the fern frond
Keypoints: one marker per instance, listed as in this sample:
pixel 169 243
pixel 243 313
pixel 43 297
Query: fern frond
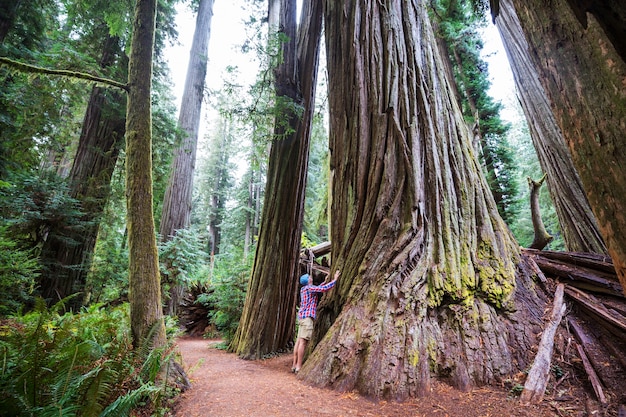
pixel 124 404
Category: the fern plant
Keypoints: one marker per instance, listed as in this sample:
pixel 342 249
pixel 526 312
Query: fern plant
pixel 78 364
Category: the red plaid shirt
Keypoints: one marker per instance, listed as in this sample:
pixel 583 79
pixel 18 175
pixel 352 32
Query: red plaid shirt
pixel 308 300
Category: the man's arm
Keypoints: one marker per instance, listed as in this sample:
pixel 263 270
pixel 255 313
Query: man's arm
pixel 327 286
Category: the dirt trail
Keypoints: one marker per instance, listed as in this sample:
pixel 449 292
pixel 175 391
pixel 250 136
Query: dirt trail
pixel 226 386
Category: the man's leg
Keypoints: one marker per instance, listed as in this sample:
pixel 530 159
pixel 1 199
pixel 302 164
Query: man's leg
pixel 300 353
pixel 295 354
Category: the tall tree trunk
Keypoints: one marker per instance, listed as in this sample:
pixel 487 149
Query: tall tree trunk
pixel 578 50
pixel 176 212
pixel 145 283
pixel 220 177
pixel 579 226
pixel 101 139
pixel 432 283
pixel 267 322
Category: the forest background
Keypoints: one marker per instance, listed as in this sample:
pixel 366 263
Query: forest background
pixel 43 118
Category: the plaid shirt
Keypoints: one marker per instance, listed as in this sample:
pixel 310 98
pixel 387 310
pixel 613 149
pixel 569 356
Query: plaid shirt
pixel 308 300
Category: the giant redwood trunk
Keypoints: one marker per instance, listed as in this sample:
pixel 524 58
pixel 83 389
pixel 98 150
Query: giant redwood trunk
pixel 432 283
pixel 579 52
pixel 579 226
pixel 67 260
pixel 146 314
pixel 267 322
pixel 176 213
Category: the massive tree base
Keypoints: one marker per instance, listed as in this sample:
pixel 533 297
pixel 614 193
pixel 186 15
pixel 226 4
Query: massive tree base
pixel 391 344
pixel 595 328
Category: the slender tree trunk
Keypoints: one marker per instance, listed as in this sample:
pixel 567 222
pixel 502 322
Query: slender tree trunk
pixel 250 215
pixel 177 202
pixel 267 322
pixel 578 50
pixel 432 283
pixel 579 226
pixel 220 183
pixel 145 286
pixel 100 141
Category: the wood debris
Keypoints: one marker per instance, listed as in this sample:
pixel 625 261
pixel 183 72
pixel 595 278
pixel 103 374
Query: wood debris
pixel 596 320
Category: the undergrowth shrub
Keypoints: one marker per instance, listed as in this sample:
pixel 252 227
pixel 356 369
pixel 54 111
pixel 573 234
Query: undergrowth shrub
pixel 227 292
pixel 18 270
pixel 77 364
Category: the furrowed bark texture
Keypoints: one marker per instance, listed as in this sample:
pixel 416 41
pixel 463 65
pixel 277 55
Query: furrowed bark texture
pixel 578 50
pixel 176 213
pixel 100 142
pixel 580 228
pixel 432 282
pixel 267 322
pixel 144 278
pixel 178 195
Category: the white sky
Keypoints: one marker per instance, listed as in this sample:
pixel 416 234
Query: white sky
pixel 502 84
pixel 228 33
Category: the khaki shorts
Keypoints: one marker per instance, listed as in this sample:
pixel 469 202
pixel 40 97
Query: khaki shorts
pixel 305 328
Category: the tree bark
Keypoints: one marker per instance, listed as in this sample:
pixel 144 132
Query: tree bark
pixel 578 50
pixel 578 224
pixel 432 282
pixel 267 322
pixel 146 313
pixel 176 213
pixel 101 140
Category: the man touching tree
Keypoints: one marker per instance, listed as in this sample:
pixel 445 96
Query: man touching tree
pixel 307 314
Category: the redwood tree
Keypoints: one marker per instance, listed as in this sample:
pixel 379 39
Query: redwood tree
pixel 101 140
pixel 432 282
pixel 176 212
pixel 579 226
pixel 267 322
pixel 146 314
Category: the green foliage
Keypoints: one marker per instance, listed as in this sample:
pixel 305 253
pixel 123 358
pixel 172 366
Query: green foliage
pixel 226 292
pixel 37 208
pixel 528 166
pixel 316 202
pixel 18 270
pixel 458 25
pixel 181 258
pixel 76 364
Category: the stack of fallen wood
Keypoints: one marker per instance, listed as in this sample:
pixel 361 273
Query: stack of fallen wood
pixel 597 319
pixel 194 316
pixel 314 259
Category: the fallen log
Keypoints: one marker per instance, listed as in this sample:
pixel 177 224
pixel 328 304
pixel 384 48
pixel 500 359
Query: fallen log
pixel 535 268
pixel 581 277
pixel 585 340
pixel 616 325
pixel 320 249
pixel 591 374
pixel 537 379
pixel 595 261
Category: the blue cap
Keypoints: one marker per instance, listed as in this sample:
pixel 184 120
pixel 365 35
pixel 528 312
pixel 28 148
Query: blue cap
pixel 304 279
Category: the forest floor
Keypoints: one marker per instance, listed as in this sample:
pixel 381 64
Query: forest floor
pixel 225 386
